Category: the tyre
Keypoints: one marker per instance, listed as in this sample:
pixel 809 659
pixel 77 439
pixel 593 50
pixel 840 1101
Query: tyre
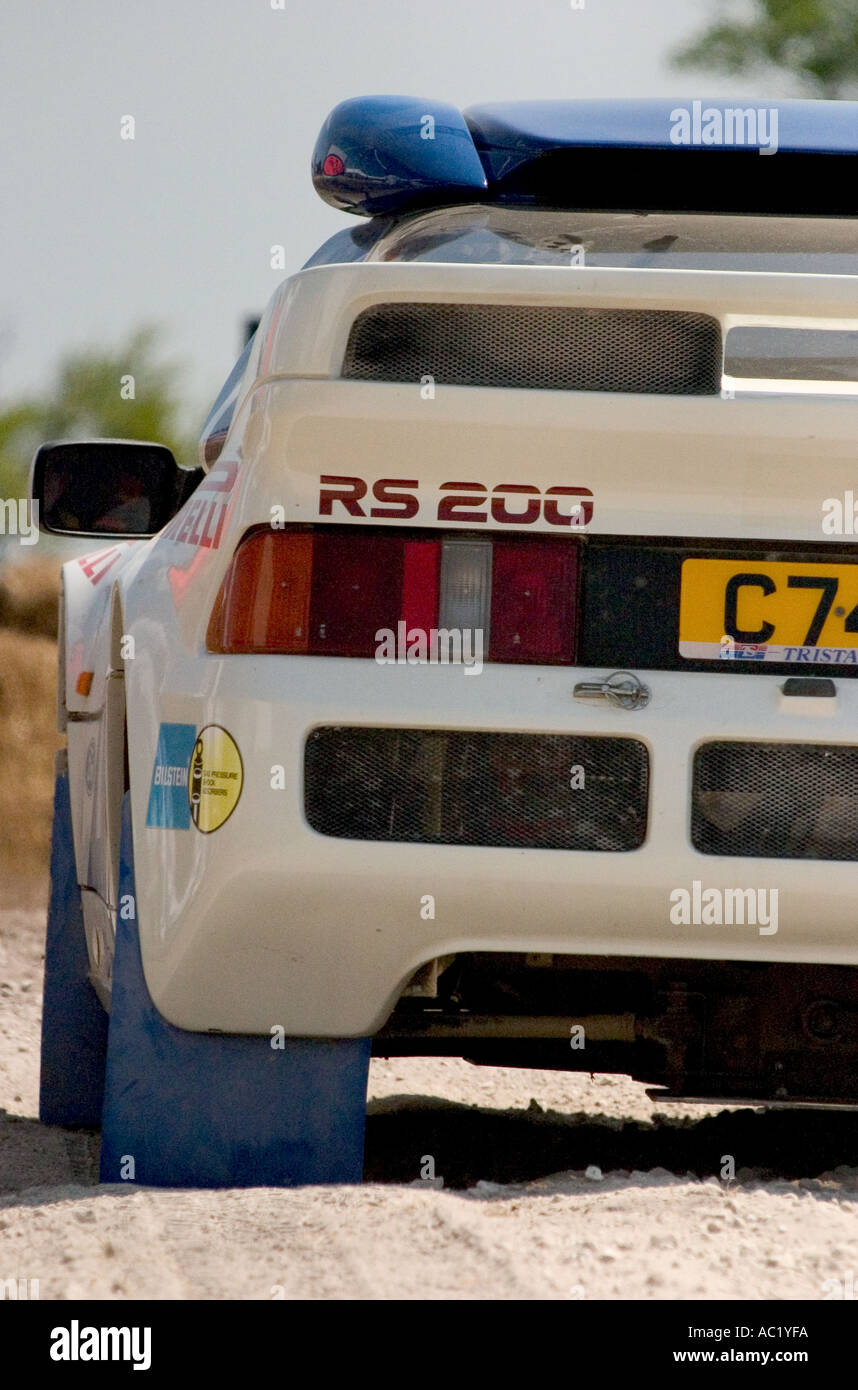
pixel 74 1024
pixel 186 1109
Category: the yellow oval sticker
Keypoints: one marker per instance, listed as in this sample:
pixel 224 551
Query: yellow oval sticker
pixel 215 778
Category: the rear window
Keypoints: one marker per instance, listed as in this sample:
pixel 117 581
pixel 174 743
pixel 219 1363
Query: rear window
pixel 477 235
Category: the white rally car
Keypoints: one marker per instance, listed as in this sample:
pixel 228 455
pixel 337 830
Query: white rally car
pixel 489 688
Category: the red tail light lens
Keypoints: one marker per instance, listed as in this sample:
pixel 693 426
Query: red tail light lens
pixel 356 589
pixel 421 566
pixel 533 601
pixel 332 590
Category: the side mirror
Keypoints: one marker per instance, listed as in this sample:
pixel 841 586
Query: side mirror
pixel 108 487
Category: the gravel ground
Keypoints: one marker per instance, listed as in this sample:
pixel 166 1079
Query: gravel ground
pixel 554 1186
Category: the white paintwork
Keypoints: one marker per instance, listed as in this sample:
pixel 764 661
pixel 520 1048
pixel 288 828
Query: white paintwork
pixel 264 922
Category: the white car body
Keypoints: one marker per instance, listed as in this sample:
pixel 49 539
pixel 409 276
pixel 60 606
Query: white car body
pixel 266 922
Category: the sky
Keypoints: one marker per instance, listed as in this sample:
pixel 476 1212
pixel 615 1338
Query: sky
pixel 174 228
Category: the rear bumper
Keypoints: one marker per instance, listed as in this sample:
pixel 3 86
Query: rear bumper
pixel 265 922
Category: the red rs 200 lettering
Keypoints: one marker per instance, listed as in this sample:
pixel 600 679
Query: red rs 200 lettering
pixel 465 503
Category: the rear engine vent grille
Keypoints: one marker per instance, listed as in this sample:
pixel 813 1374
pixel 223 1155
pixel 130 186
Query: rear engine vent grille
pixel 776 800
pixel 553 348
pixel 538 791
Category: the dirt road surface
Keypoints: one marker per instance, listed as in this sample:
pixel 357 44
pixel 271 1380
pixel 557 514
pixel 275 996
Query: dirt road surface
pixel 555 1186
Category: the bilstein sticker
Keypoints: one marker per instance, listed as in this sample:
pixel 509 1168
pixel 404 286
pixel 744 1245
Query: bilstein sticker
pixel 168 793
pixel 215 778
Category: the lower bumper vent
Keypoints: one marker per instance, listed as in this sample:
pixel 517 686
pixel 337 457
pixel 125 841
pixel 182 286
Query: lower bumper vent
pixel 535 791
pixel 776 800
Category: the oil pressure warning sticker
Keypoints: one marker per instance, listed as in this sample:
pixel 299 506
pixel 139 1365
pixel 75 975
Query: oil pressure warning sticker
pixel 215 778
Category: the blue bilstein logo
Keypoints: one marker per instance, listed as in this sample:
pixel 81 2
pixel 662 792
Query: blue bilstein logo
pixel 168 795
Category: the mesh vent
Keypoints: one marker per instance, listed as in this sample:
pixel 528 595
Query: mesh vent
pixel 476 789
pixel 776 800
pixel 656 351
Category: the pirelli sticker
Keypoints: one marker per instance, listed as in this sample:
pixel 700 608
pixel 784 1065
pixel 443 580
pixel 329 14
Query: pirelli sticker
pixel 196 779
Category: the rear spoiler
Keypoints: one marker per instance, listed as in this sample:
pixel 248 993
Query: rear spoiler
pixel 393 154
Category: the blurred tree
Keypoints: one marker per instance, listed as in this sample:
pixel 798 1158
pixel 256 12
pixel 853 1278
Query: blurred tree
pixel 815 40
pixel 19 425
pixel 92 398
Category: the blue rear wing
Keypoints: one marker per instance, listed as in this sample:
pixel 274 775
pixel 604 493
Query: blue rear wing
pixel 390 155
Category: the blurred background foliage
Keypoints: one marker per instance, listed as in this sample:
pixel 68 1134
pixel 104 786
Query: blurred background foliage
pixel 816 41
pixel 85 401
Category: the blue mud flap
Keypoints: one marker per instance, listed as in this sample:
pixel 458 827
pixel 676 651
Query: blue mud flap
pixel 188 1109
pixel 74 1024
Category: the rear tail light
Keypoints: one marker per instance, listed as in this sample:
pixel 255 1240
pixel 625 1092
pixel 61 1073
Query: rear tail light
pixel 265 603
pixel 332 591
pixel 535 584
pixel 465 599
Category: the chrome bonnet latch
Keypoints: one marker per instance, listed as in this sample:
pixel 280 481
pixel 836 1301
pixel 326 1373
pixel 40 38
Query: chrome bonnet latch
pixel 622 689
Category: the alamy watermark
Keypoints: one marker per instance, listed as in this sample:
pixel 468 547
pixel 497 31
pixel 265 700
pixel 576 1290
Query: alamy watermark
pixel 76 1343
pixel 19 517
pixel 715 907
pixel 16 1289
pixel 417 646
pixel 753 126
pixel 840 516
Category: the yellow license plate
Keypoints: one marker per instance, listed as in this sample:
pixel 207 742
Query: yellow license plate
pixel 755 610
